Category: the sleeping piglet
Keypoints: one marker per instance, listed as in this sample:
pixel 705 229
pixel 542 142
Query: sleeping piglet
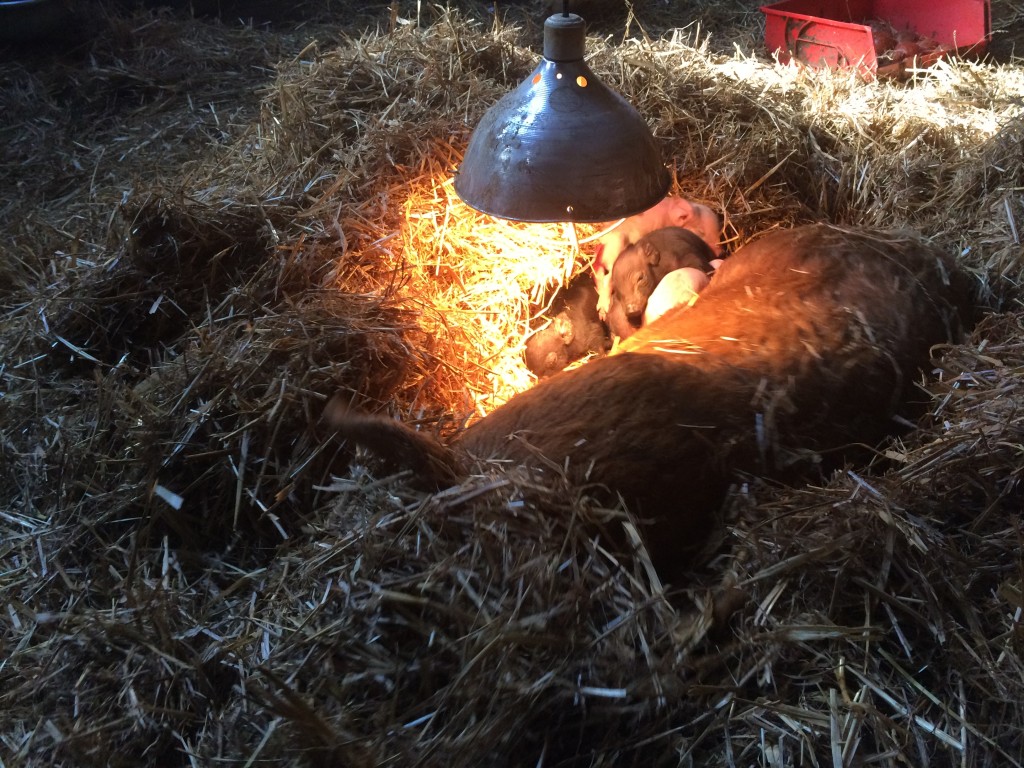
pixel 670 212
pixel 574 332
pixel 640 268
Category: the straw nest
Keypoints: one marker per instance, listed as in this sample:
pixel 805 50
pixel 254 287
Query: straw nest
pixel 209 230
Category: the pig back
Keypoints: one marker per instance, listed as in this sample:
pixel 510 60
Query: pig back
pixel 836 321
pixel 680 247
pixel 657 432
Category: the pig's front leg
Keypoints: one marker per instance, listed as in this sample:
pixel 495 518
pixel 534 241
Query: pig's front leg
pixel 603 280
pixel 679 287
pixel 605 257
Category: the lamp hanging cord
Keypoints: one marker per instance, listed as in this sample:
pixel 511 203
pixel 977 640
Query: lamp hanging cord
pixel 565 7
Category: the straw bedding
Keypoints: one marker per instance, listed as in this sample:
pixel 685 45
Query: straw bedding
pixel 211 228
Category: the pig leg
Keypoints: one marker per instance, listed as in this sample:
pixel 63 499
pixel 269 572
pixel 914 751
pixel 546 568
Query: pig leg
pixel 619 324
pixel 679 287
pixel 608 251
pixel 397 443
pixel 603 281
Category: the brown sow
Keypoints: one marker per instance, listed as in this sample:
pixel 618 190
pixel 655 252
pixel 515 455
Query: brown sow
pixel 805 344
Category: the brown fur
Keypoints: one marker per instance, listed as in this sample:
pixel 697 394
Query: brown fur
pixel 837 321
pixel 805 341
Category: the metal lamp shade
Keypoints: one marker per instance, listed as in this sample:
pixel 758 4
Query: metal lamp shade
pixel 562 146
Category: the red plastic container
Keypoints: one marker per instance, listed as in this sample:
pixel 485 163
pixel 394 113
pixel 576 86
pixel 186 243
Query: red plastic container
pixel 839 34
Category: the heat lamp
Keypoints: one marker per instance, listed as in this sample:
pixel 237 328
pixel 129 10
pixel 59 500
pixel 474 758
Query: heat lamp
pixel 562 146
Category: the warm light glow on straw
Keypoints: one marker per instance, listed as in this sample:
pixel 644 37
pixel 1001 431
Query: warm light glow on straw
pixel 485 279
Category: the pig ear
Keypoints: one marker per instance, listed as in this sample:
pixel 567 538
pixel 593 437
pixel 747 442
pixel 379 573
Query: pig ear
pixel 684 212
pixel 651 254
